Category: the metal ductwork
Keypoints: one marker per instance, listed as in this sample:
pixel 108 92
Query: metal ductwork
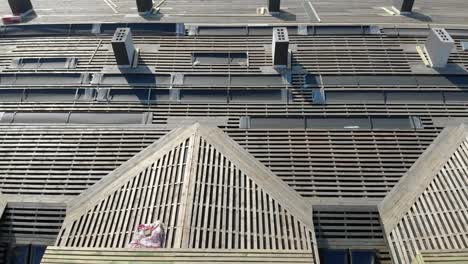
pixel 280 48
pixel 439 45
pixel 404 6
pixel 274 6
pixel 20 6
pixel 122 44
pixel 144 6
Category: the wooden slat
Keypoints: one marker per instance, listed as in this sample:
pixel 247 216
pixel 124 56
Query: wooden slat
pixel 441 256
pixel 197 176
pixel 427 210
pixel 84 255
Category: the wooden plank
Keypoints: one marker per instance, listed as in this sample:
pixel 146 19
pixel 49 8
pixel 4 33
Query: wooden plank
pixel 435 221
pixel 403 195
pixel 259 173
pixel 86 255
pixel 128 169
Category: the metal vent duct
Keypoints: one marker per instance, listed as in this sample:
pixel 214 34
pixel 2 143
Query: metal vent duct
pixel 280 46
pixel 404 6
pixel 20 6
pixel 122 44
pixel 274 6
pixel 439 44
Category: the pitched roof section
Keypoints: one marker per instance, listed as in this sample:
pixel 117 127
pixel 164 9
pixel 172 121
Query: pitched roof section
pixel 222 187
pixel 146 188
pixel 441 256
pixel 174 180
pixel 410 187
pixel 427 209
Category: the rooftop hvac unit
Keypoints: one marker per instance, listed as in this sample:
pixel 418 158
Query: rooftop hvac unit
pixel 274 6
pixel 122 44
pixel 20 6
pixel 280 48
pixel 144 6
pixel 404 6
pixel 439 44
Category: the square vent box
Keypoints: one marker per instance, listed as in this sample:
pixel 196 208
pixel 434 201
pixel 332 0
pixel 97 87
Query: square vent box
pixel 122 44
pixel 439 45
pixel 280 46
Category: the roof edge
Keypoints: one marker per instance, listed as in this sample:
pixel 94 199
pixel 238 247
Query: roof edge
pixel 261 174
pixel 403 195
pixel 128 169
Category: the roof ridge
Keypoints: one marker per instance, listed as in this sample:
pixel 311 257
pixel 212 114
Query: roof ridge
pixel 127 170
pixel 416 180
pixel 189 180
pixel 259 173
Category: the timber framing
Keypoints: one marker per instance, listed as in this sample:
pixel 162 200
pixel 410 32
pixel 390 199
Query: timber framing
pixel 355 148
pixel 192 149
pixel 427 209
pixel 398 201
pixel 98 256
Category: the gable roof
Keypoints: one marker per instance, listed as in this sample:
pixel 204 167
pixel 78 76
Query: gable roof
pixel 427 209
pixel 400 199
pixel 203 186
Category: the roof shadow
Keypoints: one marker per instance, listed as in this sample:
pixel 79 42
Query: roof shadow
pixel 151 17
pixel 141 80
pixel 31 15
pixel 418 16
pixel 284 15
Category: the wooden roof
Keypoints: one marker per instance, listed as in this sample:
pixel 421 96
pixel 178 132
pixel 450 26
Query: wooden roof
pixel 427 209
pixel 441 256
pixel 101 256
pixel 208 190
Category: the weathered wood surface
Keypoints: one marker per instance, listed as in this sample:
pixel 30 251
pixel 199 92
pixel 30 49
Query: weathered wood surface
pixel 442 256
pixel 31 222
pixel 415 182
pixel 140 256
pixel 427 210
pixel 207 189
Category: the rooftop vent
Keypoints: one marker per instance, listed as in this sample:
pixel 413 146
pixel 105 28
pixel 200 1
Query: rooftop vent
pixel 274 6
pixel 144 6
pixel 122 44
pixel 19 7
pixel 280 46
pixel 403 6
pixel 439 44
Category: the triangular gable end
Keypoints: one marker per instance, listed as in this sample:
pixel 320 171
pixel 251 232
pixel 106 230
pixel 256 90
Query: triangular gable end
pixel 144 189
pixel 224 199
pixel 229 208
pixel 427 209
